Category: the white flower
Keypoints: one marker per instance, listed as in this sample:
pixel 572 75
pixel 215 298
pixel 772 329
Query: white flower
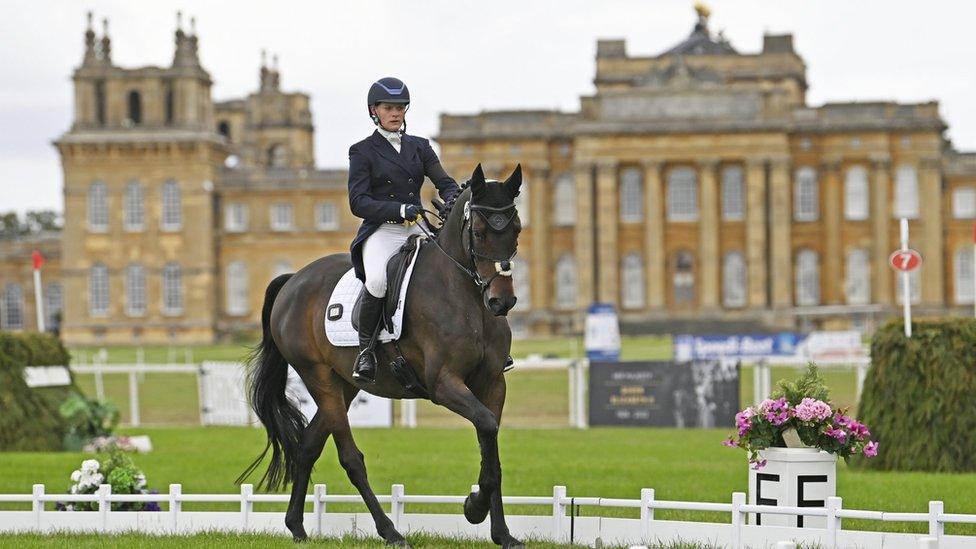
pixel 140 481
pixel 90 465
pixel 74 489
pixel 69 507
pixel 75 476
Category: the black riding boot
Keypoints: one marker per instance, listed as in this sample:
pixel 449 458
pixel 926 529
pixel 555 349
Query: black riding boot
pixel 369 319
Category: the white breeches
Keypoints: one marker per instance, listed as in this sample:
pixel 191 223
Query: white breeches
pixel 378 249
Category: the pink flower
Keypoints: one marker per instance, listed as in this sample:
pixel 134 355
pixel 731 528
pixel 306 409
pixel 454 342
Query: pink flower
pixel 729 442
pixel 841 419
pixel 871 449
pixel 759 464
pixel 809 409
pixel 839 434
pixel 743 420
pixel 859 430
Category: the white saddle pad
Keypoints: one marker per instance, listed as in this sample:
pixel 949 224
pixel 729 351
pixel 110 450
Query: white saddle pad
pixel 338 315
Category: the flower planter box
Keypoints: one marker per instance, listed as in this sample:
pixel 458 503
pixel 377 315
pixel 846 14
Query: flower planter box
pixel 792 477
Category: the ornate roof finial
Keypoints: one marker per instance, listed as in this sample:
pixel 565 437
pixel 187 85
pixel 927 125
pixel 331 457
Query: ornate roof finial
pixel 106 42
pixel 264 58
pixel 179 20
pixel 193 26
pixel 274 62
pixel 90 17
pixel 90 54
pixel 702 10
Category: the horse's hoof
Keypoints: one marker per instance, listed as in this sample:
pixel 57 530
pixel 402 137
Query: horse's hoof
pixel 508 542
pixel 472 513
pixel 299 539
pixel 399 543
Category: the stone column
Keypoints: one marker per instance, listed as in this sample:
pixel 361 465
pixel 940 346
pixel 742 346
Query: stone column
pixel 880 228
pixel 756 232
pixel 931 241
pixel 781 269
pixel 583 234
pixel 708 245
pixel 654 250
pixel 607 222
pixel 539 225
pixel 832 208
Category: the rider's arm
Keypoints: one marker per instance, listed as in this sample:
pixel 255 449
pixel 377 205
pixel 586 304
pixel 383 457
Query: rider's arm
pixel 447 187
pixel 362 204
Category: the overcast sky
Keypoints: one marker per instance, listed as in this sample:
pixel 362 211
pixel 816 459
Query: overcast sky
pixel 458 57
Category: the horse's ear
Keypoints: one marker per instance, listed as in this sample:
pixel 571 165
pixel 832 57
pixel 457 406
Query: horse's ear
pixel 477 181
pixel 514 182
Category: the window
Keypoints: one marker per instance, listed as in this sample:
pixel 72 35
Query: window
pixel 631 196
pixel 282 218
pixel 733 194
pixel 98 290
pixel 566 282
pixel 134 212
pixel 237 288
pixel 172 207
pixel 914 286
pixel 172 289
pixel 565 201
pixel 807 278
pixel 326 216
pixel 856 193
pixel 684 277
pixel 135 290
pixel 235 218
pixel 522 203
pixel 857 279
pixel 169 107
pixel 282 266
pixel 100 102
pixel 13 306
pixel 964 275
pixel 97 207
pixel 806 203
pixel 906 192
pixel 734 280
pixel 632 273
pixel 53 303
pixel 278 156
pixel 522 284
pixel 135 108
pixel 682 195
pixel 223 128
pixel 964 203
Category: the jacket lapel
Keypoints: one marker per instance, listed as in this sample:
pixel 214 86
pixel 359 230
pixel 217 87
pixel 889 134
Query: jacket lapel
pixel 386 150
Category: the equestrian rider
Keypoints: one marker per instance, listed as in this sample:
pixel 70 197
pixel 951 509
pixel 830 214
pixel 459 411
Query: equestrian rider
pixel 386 171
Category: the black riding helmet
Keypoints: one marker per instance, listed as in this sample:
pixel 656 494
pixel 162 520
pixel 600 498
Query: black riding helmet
pixel 386 90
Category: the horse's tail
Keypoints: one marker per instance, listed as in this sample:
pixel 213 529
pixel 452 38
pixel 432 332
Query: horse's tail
pixel 283 421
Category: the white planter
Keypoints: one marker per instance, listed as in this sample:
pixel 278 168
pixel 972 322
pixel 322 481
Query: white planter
pixel 793 477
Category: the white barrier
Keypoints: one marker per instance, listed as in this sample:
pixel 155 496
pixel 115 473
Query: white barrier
pixel 563 525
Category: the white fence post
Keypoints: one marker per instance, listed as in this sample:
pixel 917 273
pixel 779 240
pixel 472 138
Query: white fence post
pixel 396 505
pixel 935 519
pixel 408 413
pixel 133 399
pixel 37 505
pixel 862 373
pixel 647 513
pixel 246 505
pixel 318 506
pixel 571 373
pixel 558 512
pixel 582 422
pixel 738 500
pixel 833 521
pixel 103 504
pixel 175 491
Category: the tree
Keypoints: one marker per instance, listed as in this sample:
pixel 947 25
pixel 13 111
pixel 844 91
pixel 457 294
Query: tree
pixel 33 222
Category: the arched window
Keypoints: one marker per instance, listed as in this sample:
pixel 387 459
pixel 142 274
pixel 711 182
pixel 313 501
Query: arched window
pixel 277 156
pixel 632 275
pixel 631 196
pixel 963 280
pixel 53 303
pixel 914 286
pixel 806 201
pixel 856 193
pixel 522 284
pixel 97 207
pixel 172 289
pixel 223 128
pixel 857 287
pixel 135 108
pixel 135 290
pixel 237 288
pixel 733 193
pixel 734 280
pixel 964 203
pixel 522 203
pixel 282 266
pixel 566 282
pixel 133 213
pixel 807 278
pixel 906 192
pixel 98 290
pixel 682 199
pixel 13 306
pixel 172 206
pixel 684 277
pixel 565 201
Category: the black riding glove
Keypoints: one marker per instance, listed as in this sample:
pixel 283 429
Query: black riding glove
pixel 411 212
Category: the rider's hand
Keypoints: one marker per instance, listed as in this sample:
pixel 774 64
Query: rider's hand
pixel 411 213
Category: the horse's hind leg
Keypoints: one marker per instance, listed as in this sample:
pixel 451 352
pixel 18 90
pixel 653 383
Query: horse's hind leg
pixel 313 440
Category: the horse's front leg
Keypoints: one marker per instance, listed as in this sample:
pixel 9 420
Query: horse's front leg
pixel 452 393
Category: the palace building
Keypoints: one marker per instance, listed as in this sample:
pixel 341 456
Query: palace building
pixel 694 189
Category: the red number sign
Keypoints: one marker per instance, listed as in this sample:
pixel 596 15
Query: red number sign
pixel 905 260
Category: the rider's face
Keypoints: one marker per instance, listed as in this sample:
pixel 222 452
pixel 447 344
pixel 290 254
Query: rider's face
pixel 390 115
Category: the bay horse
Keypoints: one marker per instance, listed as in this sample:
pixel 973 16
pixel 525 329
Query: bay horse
pixel 455 337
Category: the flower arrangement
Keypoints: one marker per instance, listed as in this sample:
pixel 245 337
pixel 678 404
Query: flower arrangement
pixel 800 414
pixel 116 469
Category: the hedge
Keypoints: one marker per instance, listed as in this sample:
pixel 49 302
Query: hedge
pixel 29 417
pixel 918 398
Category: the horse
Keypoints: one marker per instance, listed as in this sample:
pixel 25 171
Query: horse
pixel 455 338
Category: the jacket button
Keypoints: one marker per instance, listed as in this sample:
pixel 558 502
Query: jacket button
pixel 411 194
pixel 410 181
pixel 388 182
pixel 392 196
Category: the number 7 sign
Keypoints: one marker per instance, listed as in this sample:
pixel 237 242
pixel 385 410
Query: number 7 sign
pixel 905 260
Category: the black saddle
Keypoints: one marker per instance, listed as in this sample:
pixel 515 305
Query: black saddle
pixel 396 272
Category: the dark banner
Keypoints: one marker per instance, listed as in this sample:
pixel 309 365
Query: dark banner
pixel 700 393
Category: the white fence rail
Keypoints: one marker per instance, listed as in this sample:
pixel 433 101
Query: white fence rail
pixel 563 525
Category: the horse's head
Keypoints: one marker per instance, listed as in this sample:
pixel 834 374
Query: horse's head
pixel 490 236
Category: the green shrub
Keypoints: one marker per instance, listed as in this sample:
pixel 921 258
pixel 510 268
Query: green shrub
pixel 87 418
pixel 29 418
pixel 918 397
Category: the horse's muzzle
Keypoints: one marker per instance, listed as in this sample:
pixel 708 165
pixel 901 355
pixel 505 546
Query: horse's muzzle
pixel 501 306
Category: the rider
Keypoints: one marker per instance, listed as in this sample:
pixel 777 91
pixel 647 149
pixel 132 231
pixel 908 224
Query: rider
pixel 386 171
